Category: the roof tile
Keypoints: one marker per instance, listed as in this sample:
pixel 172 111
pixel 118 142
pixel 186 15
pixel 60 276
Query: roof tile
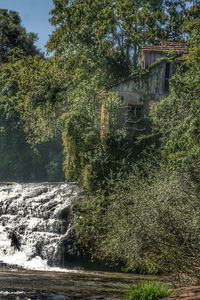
pixel 165 46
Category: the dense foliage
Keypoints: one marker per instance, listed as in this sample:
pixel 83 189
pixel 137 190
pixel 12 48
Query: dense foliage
pixel 177 117
pixel 111 32
pixel 18 160
pixel 140 191
pixel 14 36
pixel 150 221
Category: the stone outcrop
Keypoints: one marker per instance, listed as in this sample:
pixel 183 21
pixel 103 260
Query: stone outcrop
pixel 187 293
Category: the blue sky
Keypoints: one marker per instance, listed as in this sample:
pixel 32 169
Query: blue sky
pixel 34 15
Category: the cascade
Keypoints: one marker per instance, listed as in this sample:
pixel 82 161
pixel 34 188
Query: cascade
pixel 34 223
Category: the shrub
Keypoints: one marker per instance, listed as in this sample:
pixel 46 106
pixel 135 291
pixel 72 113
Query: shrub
pixel 149 291
pixel 150 225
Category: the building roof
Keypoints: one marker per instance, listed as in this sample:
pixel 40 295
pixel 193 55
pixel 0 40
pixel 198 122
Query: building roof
pixel 165 47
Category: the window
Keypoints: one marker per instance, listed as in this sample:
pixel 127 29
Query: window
pixel 135 112
pixel 167 75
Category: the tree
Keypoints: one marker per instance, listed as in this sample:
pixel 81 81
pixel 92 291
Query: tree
pixel 145 225
pixel 13 35
pixel 111 31
pixel 176 118
pixel 151 225
pixel 145 222
pixel 18 159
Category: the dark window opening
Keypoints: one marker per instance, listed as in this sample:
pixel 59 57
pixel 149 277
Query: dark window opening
pixel 135 112
pixel 139 111
pixel 167 75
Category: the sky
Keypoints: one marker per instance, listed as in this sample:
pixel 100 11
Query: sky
pixel 34 15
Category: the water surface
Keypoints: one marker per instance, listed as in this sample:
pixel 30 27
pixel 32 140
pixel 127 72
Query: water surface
pixel 31 284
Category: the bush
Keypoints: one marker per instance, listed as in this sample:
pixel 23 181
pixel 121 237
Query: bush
pixel 146 224
pixel 149 291
pixel 149 222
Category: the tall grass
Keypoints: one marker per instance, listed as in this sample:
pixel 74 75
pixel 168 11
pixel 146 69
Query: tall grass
pixel 149 291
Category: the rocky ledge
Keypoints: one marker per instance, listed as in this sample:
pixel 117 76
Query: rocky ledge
pixel 187 293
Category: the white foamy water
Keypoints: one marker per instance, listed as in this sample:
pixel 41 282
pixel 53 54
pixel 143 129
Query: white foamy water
pixel 34 224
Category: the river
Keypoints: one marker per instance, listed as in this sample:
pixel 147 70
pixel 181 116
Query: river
pixel 47 285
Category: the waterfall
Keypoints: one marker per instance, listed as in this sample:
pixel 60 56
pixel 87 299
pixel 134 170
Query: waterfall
pixel 34 223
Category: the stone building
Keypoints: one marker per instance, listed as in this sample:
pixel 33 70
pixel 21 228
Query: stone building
pixel 158 64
